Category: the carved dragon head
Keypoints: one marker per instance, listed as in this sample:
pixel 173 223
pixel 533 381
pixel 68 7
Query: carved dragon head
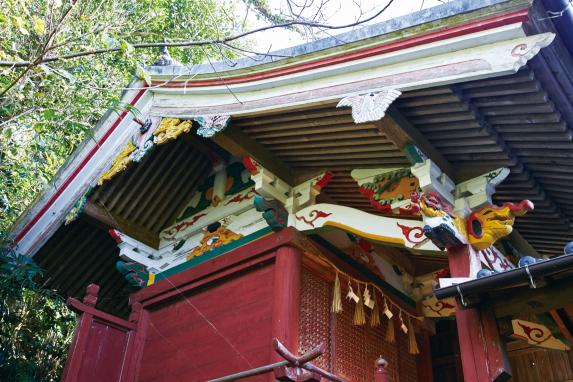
pixel 491 223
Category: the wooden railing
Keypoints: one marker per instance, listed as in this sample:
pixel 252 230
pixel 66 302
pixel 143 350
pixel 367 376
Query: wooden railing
pixel 99 349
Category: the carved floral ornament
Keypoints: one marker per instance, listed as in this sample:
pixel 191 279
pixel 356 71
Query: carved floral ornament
pixel 146 138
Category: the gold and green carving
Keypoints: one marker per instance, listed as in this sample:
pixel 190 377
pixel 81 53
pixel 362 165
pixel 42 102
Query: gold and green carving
pixel 169 129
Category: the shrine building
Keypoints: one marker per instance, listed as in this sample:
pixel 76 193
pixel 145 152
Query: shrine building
pixel 389 204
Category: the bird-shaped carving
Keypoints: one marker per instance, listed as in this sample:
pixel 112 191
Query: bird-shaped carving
pixel 370 107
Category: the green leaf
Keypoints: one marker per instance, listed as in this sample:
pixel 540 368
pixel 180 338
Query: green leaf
pixel 49 114
pixel 39 25
pixel 7 133
pixel 143 74
pixel 20 23
pixel 126 47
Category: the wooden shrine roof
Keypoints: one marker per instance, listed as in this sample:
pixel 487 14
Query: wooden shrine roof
pixel 523 121
pixel 477 126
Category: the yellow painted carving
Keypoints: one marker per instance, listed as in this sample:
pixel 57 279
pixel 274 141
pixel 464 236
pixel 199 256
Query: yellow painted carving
pixel 212 240
pixel 170 128
pixel 436 208
pixel 119 164
pixel 491 223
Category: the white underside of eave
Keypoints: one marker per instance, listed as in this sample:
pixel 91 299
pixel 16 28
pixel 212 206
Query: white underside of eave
pixel 52 219
pixel 479 55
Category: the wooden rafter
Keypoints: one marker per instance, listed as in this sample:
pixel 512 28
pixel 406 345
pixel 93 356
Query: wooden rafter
pixel 103 216
pixel 241 145
pixel 401 132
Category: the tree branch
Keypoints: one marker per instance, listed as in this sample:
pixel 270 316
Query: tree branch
pixel 42 51
pixel 223 41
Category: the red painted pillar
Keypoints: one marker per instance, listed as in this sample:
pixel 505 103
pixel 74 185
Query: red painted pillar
pixel 424 359
pixel 482 352
pixel 286 302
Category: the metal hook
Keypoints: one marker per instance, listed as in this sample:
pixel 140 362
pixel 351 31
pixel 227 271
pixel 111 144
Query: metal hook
pixel 461 296
pixel 531 282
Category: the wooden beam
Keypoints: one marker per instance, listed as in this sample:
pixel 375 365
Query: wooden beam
pixel 400 131
pixel 554 296
pixel 522 245
pixel 561 325
pixel 241 145
pixel 101 215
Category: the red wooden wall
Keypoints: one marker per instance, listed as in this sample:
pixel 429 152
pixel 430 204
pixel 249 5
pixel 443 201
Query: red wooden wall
pixel 220 329
pixel 220 317
pixel 105 353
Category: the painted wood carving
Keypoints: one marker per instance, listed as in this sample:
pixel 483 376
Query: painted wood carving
pixel 119 164
pixel 441 224
pixel 77 208
pixel 536 334
pixel 491 223
pixel 464 214
pixel 215 236
pixel 388 190
pixel 392 231
pixel 169 129
pixel 226 180
pixel 434 308
pixel 136 274
pixel 143 140
pixel 371 106
pixel 273 211
pixel 147 137
pixel 212 124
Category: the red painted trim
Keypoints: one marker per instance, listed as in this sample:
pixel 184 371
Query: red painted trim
pixel 460 30
pixel 136 346
pixel 77 170
pixel 78 306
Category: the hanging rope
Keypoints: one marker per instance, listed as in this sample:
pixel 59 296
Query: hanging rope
pixel 361 299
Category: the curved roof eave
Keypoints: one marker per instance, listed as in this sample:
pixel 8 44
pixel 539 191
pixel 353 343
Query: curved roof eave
pixel 444 15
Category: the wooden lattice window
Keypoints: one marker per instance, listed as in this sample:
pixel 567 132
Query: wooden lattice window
pixel 351 350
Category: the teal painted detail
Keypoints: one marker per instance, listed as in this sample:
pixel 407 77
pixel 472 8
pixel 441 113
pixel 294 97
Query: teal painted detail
pixel 362 269
pixel 234 171
pixel 414 154
pixel 178 245
pixel 273 211
pixel 215 252
pixel 135 274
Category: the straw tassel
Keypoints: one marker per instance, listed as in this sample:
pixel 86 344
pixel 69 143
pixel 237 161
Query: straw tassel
pixel 359 316
pixel 336 298
pixel 412 344
pixel 375 315
pixel 390 335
